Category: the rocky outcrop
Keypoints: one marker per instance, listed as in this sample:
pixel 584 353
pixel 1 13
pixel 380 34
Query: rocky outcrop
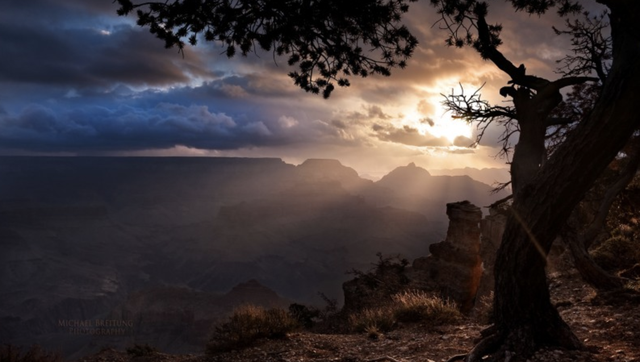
pixel 454 267
pixel 459 268
pixel 492 228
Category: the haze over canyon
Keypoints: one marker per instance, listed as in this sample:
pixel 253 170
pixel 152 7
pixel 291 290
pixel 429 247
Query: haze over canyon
pixel 161 248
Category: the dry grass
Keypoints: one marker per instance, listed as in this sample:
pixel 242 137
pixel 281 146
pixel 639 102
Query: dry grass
pixel 483 312
pixel 418 306
pixel 372 320
pixel 407 307
pixel 248 324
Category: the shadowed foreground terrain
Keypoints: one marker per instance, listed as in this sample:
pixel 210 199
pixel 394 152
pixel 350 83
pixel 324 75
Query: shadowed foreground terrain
pixel 610 332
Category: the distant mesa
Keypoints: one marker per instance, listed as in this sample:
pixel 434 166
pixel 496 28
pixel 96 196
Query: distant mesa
pixel 489 176
pixel 409 171
pixel 322 170
pixel 252 290
pixel 326 168
pixel 415 188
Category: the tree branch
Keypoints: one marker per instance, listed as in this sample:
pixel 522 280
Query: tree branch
pixel 556 121
pixel 627 174
pixel 567 81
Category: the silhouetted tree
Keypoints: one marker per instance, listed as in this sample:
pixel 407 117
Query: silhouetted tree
pixel 590 53
pixel 546 190
pixel 330 40
pixel 327 40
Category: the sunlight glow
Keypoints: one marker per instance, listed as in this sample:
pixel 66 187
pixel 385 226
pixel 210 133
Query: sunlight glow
pixel 443 124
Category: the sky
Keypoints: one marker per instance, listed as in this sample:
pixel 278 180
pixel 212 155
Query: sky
pixel 76 79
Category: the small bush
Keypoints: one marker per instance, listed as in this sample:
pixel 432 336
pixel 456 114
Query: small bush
pixel 386 278
pixel 139 350
pixel 617 253
pixel 373 333
pixel 484 310
pixel 10 353
pixel 304 315
pixel 372 319
pixel 248 324
pixel 418 306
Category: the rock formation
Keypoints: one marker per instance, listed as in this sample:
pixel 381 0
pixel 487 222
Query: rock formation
pixel 492 228
pixel 454 267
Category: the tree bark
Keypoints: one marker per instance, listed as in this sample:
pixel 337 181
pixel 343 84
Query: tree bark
pixel 525 318
pixel 530 150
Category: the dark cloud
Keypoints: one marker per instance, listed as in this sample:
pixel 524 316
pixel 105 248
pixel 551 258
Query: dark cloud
pixel 84 44
pixel 376 112
pixel 369 112
pixel 99 84
pixel 86 57
pixel 336 123
pixel 93 6
pixel 462 141
pixel 428 120
pixel 377 128
pixel 409 136
pixel 97 129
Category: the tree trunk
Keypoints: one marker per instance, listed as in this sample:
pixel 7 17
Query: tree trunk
pixel 525 318
pixel 530 150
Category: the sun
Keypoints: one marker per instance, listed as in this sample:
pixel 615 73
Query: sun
pixel 443 124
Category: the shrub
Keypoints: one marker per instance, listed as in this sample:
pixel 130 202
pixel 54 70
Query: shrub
pixel 248 324
pixel 369 289
pixel 10 353
pixel 484 310
pixel 418 306
pixel 617 253
pixel 387 275
pixel 379 319
pixel 304 315
pixel 139 350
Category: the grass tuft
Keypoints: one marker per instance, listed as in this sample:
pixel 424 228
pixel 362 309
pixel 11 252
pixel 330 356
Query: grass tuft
pixel 249 324
pixel 412 306
pixel 379 319
pixel 415 306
